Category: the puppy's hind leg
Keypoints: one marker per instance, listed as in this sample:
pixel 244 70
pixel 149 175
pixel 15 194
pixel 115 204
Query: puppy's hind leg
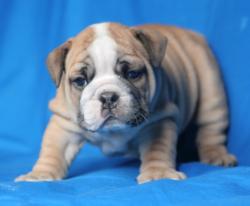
pixel 212 115
pixel 211 147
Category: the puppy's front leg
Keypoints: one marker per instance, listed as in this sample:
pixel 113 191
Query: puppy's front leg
pixel 158 156
pixel 60 144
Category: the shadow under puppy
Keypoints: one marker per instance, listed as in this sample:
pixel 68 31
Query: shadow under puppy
pixel 132 91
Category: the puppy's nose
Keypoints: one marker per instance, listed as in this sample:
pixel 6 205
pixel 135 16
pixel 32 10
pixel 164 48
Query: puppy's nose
pixel 109 100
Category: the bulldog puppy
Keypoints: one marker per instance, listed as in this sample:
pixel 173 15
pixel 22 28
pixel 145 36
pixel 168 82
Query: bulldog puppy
pixel 133 91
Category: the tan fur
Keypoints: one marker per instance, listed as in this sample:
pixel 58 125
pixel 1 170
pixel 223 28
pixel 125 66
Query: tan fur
pixel 193 84
pixel 158 156
pixel 79 45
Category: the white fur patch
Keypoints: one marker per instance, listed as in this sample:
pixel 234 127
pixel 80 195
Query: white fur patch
pixel 103 50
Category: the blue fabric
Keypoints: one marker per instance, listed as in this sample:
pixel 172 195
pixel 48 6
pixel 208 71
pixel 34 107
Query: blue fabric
pixel 30 29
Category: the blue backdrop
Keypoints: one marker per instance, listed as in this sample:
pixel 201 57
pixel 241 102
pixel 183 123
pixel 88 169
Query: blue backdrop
pixel 30 29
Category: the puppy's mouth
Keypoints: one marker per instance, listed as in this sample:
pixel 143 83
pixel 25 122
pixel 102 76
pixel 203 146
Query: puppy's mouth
pixel 111 122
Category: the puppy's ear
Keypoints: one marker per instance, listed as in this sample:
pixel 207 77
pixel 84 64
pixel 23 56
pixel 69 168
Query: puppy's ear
pixel 56 61
pixel 153 41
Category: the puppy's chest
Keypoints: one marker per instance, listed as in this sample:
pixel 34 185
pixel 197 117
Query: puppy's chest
pixel 127 142
pixel 112 143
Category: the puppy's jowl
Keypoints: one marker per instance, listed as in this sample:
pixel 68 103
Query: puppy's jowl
pixel 132 91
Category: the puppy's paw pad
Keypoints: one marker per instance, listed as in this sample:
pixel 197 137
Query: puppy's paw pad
pixel 155 173
pixel 37 177
pixel 218 156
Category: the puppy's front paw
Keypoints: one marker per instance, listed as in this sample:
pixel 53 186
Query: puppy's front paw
pixel 38 176
pixel 217 155
pixel 156 173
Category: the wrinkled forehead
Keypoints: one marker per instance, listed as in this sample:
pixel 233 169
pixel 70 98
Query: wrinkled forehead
pixel 103 43
pixel 102 46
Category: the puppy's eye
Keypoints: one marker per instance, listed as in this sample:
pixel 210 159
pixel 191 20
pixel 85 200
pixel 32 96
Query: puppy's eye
pixel 133 75
pixel 79 82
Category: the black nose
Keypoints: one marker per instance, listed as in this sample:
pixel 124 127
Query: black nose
pixel 109 100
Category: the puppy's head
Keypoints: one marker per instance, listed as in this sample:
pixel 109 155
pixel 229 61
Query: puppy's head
pixel 107 72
